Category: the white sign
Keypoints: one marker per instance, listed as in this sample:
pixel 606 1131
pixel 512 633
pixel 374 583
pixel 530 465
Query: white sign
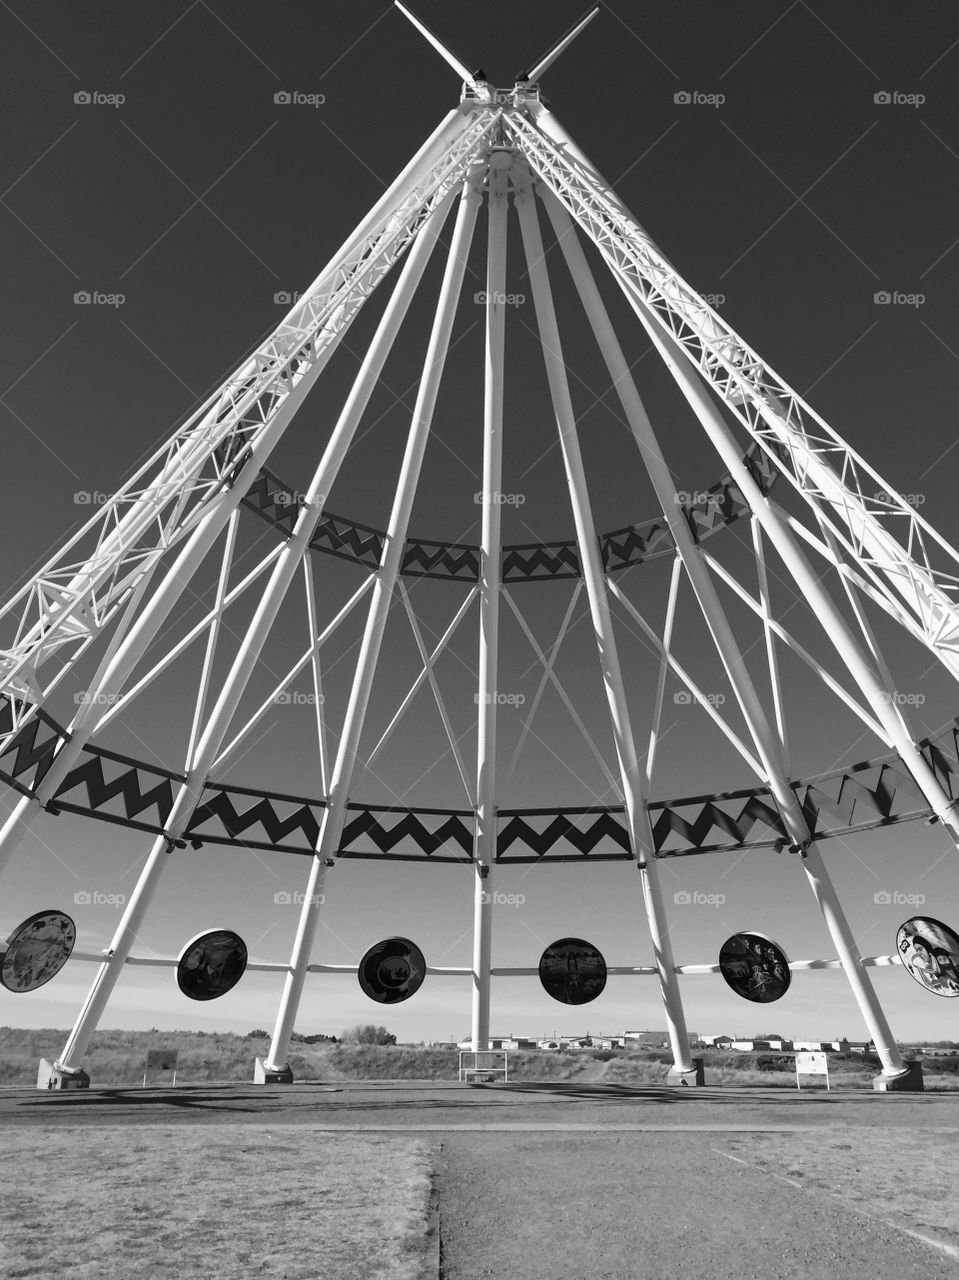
pixel 811 1063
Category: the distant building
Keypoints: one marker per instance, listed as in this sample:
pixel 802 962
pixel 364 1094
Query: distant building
pixel 655 1039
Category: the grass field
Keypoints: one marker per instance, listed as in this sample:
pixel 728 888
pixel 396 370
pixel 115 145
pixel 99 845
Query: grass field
pixel 117 1058
pixel 192 1202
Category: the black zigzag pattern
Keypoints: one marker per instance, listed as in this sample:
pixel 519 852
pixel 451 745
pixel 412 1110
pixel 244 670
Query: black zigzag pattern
pixel 219 808
pixel 33 748
pixel 635 543
pixel 440 560
pixel 942 753
pixel 349 541
pixel 452 830
pixel 269 498
pixel 547 560
pixel 851 800
pixel 518 831
pixel 128 784
pixel 711 816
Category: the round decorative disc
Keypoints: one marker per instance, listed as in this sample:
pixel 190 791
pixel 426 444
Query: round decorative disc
pixel 392 971
pixel 929 951
pixel 211 964
pixel 37 950
pixel 754 967
pixel 572 971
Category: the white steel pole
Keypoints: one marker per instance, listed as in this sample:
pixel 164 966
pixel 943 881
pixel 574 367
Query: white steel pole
pixel 641 836
pixel 857 661
pixel 668 621
pixel 333 818
pixel 767 743
pixel 772 657
pixel 484 840
pixel 249 650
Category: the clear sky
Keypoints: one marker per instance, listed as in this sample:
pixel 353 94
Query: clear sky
pixel 792 202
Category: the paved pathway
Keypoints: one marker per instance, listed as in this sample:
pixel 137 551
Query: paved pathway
pixel 650 1207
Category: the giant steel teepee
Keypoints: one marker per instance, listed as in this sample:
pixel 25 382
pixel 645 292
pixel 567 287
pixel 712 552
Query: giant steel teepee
pixel 109 591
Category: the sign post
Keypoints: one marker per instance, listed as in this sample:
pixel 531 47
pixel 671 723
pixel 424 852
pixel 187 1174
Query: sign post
pixel 813 1063
pixel 159 1063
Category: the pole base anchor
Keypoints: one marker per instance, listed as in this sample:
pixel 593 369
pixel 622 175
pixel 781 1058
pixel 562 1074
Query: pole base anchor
pixel 909 1081
pixel 691 1079
pixel 52 1076
pixel 265 1073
